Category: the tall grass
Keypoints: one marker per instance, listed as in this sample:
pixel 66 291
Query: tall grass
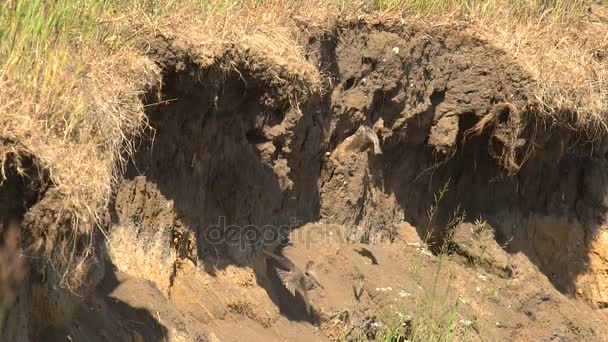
pixel 45 49
pixel 69 96
pixel 514 9
pixel 436 311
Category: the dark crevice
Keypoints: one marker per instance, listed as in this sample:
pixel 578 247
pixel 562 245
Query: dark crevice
pixel 349 83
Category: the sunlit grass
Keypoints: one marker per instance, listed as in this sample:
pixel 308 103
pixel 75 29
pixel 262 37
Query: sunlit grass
pixel 516 9
pixel 57 60
pixel 45 50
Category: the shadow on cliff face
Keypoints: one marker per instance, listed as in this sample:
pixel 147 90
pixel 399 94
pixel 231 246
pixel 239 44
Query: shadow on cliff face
pixel 103 315
pixel 223 156
pixel 541 211
pixel 41 309
pixel 236 158
pixel 237 162
pixel 460 113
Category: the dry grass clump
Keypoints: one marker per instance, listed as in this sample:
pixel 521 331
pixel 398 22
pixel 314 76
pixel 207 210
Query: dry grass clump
pixel 259 36
pixel 70 96
pixel 562 43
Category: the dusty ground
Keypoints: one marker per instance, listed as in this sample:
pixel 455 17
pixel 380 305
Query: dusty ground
pixel 403 280
pixel 506 236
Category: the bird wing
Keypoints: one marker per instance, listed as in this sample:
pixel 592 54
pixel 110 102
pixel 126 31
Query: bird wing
pixel 373 137
pixel 358 289
pixel 281 260
pixel 288 279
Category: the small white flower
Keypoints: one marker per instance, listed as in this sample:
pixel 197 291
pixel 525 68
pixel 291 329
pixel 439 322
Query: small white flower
pixel 404 294
pixel 396 50
pixel 466 322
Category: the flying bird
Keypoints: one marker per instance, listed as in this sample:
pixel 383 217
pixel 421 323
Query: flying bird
pixel 364 252
pixel 362 140
pixel 372 138
pixel 295 280
pixel 358 286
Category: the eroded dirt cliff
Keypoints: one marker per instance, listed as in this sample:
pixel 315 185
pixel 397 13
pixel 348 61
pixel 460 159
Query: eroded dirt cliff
pixel 476 203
